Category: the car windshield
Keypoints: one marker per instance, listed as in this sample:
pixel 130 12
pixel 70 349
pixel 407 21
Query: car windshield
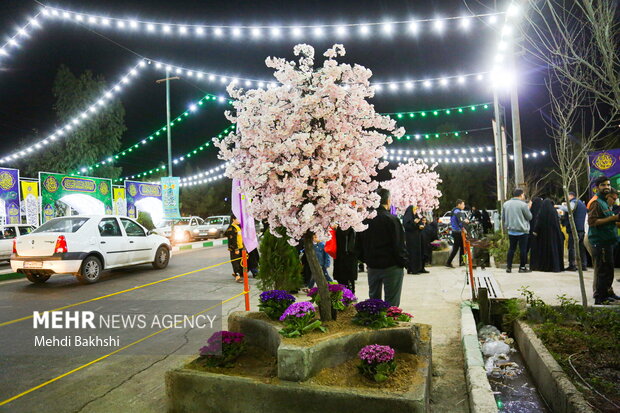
pixel 214 221
pixel 61 225
pixel 182 221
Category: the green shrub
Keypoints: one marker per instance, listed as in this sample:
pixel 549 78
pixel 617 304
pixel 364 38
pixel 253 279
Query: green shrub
pixel 144 219
pixel 499 248
pixel 280 267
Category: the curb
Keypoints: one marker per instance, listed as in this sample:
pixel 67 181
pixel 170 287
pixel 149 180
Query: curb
pixel 552 383
pixel 481 399
pixel 199 245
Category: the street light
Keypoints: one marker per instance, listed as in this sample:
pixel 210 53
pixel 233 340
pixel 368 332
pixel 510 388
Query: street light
pixel 167 79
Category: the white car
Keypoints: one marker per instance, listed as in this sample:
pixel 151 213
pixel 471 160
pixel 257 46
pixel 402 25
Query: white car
pixel 8 234
pixel 85 246
pixel 185 229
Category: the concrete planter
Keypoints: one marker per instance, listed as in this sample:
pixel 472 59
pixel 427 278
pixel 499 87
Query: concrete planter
pixel 552 383
pixel 193 391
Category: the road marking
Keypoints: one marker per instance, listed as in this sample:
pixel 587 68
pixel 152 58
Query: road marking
pixel 2 403
pixel 6 323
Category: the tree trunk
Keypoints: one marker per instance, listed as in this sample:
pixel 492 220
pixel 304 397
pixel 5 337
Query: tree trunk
pixel 325 302
pixel 573 230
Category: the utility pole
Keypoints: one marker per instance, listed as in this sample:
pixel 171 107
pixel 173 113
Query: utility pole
pixel 167 80
pixel 516 125
pixel 499 149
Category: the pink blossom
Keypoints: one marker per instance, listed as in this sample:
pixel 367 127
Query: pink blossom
pixel 307 149
pixel 414 183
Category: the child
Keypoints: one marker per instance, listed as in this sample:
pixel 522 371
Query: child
pixel 324 261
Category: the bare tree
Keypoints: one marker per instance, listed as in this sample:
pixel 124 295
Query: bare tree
pixel 578 41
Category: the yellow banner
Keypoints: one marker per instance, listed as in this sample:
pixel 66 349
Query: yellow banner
pixel 29 188
pixel 119 193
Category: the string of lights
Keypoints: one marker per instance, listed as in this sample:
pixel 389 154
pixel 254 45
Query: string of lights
pixel 380 86
pixel 466 156
pixel 193 108
pixel 412 27
pixel 181 158
pixel 437 112
pixel 80 118
pixel 437 135
pixel 22 33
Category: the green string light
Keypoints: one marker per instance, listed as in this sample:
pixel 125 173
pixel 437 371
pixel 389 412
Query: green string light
pixel 428 135
pixel 183 157
pixel 437 112
pixel 206 98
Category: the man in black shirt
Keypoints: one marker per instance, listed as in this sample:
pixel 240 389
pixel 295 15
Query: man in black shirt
pixel 382 248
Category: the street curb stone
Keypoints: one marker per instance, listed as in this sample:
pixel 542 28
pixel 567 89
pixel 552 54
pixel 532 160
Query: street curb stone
pixel 199 245
pixel 481 399
pixel 552 383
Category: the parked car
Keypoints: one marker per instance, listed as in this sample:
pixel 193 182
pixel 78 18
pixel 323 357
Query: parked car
pixel 86 245
pixel 217 225
pixel 185 229
pixel 7 234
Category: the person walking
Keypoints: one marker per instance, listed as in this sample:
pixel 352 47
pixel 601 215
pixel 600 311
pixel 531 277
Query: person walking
pixel 602 236
pixel 580 214
pixel 517 217
pixel 457 221
pixel 345 263
pixel 412 223
pixel 382 247
pixel 235 247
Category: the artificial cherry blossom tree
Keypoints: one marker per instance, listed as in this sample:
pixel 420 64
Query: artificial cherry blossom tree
pixel 414 183
pixel 306 150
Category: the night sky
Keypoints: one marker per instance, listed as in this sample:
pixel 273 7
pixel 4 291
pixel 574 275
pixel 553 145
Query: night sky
pixel 27 76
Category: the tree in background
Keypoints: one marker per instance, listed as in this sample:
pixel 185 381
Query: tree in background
pixel 305 152
pixel 207 200
pixel 414 183
pixel 280 267
pixel 91 141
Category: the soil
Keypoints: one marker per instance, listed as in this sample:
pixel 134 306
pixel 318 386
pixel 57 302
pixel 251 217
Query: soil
pixel 254 362
pixel 343 325
pixel 348 375
pixel 594 356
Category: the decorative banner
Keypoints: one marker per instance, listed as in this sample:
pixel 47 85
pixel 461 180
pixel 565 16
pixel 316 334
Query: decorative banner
pixel 605 163
pixel 145 197
pixel 246 220
pixel 62 193
pixel 120 203
pixel 170 197
pixel 9 195
pixel 30 200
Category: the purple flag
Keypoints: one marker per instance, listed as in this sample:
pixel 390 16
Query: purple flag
pixel 246 221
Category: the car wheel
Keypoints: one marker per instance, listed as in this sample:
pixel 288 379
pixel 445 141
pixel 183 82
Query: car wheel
pixel 90 272
pixel 37 278
pixel 162 257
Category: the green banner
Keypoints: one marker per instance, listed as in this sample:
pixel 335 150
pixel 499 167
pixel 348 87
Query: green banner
pixel 61 194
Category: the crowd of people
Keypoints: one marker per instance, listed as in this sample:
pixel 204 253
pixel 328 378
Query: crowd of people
pixel 388 246
pixel 535 228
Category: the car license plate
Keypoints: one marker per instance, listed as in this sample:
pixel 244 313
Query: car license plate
pixel 33 264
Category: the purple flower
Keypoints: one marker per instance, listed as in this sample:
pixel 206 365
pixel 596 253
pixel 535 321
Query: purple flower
pixel 372 306
pixel 299 310
pixel 220 340
pixel 375 354
pixel 276 295
pixel 347 295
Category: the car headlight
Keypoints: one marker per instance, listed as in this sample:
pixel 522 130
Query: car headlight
pixel 213 230
pixel 196 231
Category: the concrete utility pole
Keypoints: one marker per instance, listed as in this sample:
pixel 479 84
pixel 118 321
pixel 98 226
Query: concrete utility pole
pixel 516 126
pixel 167 80
pixel 499 150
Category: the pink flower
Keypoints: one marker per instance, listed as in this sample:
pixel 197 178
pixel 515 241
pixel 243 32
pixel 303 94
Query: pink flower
pixel 414 183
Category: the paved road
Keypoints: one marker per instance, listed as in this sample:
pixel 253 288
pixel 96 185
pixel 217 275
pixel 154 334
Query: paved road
pixel 121 382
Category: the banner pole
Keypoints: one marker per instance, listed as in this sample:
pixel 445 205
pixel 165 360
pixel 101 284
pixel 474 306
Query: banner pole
pixel 246 284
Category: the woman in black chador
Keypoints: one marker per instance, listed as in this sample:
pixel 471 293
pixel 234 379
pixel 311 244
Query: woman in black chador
pixel 413 238
pixel 345 263
pixel 532 242
pixel 548 248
